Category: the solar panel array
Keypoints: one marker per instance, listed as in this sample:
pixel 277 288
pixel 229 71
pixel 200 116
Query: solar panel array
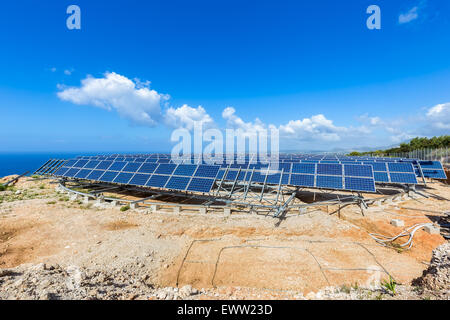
pixel 183 177
pixel 432 169
pixel 49 167
pixel 195 174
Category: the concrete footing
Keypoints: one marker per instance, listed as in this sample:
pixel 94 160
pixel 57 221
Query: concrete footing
pixel 176 210
pixel 202 210
pixel 227 211
pixel 432 229
pixel 398 223
pixel 73 197
pixel 154 208
pixel 133 205
pixel 85 200
pixel 302 210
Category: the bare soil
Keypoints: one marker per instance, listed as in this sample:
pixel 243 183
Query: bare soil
pixel 243 256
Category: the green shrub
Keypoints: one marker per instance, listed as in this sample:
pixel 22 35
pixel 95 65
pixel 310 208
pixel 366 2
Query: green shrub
pixel 125 208
pixel 2 187
pixel 390 285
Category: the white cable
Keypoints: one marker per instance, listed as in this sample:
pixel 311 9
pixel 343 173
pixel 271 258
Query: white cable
pixel 385 240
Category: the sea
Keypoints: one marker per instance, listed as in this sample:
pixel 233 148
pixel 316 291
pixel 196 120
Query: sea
pixel 18 163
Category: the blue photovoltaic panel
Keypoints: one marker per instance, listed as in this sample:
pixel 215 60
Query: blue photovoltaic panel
pixel 357 170
pixel 177 183
pixel 381 176
pixel 70 163
pixel 330 182
pixel 231 175
pixel 151 160
pixel 430 165
pixel 258 176
pixel 165 168
pixel 61 171
pixel 95 174
pixel 71 172
pixel 157 181
pixel 108 176
pixel 132 167
pixel 333 169
pixel 273 178
pixel 80 163
pixel 207 171
pixel 123 178
pixel 377 166
pixel 359 184
pixel 117 166
pixel 91 164
pixel 435 174
pixel 200 185
pixel 185 170
pixel 139 179
pixel 403 177
pixel 103 165
pixel 400 167
pixel 303 168
pixel 83 173
pixel 220 174
pixel 148 167
pixel 302 180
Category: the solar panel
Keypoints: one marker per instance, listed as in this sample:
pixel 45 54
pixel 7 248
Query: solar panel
pixel 329 169
pixel 185 170
pixel 434 173
pixel 165 168
pixel 207 171
pixel 71 172
pixel 80 163
pixel 117 166
pixel 60 172
pixel 95 174
pixel 104 165
pixel 302 180
pixel 303 168
pixel 123 177
pixel 329 182
pixel 83 173
pixel 132 167
pixel 177 183
pixel 354 170
pixel 400 167
pixel 157 181
pixel 139 179
pixel 200 185
pixel 92 164
pixel 108 176
pixel 360 184
pixel 148 167
pixel 381 176
pixel 398 177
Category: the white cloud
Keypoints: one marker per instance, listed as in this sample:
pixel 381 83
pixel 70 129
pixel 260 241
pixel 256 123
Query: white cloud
pixel 439 116
pixel 235 122
pixel 68 72
pixel 138 103
pixel 409 16
pixel 186 116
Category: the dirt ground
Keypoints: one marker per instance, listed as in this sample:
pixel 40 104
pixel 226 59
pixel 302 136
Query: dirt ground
pixel 241 256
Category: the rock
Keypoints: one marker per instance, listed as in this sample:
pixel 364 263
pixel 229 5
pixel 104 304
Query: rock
pixel 187 291
pixel 6 272
pixel 18 192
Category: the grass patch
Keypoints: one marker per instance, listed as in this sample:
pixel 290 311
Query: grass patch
pixel 2 187
pixel 51 202
pixel 390 285
pixel 125 208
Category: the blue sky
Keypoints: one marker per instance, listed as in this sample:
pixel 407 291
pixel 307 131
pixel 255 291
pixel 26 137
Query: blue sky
pixel 312 69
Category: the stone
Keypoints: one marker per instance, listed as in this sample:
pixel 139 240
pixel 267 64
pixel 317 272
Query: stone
pixel 398 223
pixel 187 291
